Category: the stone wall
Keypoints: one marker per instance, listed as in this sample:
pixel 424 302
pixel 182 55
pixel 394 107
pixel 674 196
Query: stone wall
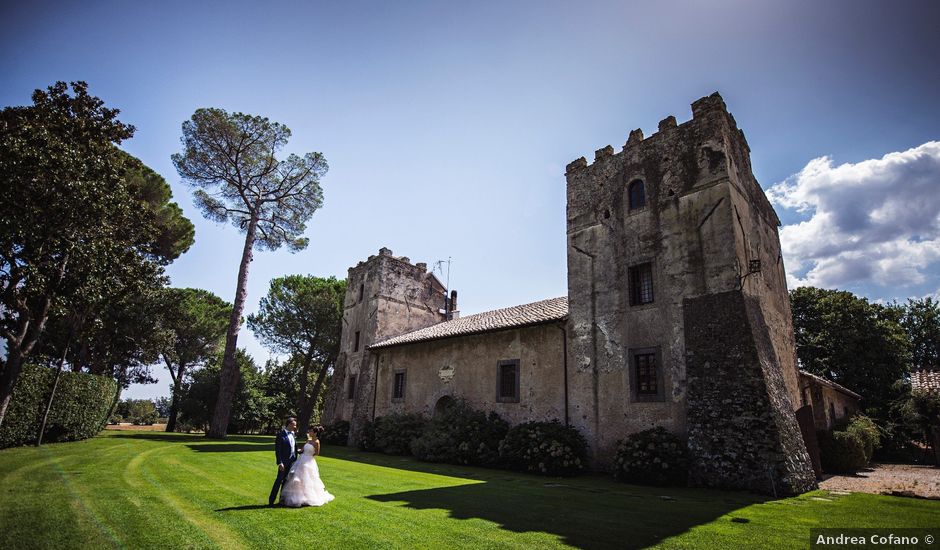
pixel 466 367
pixel 742 432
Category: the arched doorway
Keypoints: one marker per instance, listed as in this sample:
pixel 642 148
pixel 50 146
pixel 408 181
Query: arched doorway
pixel 443 405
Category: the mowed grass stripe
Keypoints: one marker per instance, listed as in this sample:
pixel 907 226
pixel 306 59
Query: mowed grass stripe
pixel 151 490
pixel 142 469
pixel 127 501
pixel 55 504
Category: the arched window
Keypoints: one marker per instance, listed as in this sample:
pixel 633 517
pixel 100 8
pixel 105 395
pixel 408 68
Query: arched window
pixel 637 194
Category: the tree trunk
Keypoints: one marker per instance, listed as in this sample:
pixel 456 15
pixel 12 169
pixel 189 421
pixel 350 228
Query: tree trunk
pixel 117 396
pixel 55 384
pixel 174 401
pixel 27 337
pixel 11 372
pixel 311 402
pixel 18 352
pixel 228 378
pixel 303 410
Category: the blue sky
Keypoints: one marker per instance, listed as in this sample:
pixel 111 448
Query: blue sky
pixel 447 127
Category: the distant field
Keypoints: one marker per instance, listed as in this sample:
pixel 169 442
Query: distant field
pixel 134 489
pixel 132 427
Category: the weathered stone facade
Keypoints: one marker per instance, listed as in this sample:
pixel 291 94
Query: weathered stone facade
pixel 709 236
pixel 677 316
pixel 831 402
pixel 465 367
pixel 386 296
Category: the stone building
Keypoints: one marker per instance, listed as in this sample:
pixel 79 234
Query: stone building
pixel 830 402
pixel 677 315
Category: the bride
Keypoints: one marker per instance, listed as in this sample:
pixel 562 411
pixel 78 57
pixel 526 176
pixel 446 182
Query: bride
pixel 303 486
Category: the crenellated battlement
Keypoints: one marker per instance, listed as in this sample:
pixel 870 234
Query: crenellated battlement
pixel 387 254
pixel 703 111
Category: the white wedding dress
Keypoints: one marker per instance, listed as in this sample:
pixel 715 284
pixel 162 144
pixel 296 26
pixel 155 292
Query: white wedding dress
pixel 303 486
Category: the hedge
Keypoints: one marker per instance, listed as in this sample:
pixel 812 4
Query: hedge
pixel 80 409
pixel 866 429
pixel 841 452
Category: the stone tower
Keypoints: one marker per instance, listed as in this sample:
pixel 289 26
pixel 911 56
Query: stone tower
pixel 678 308
pixel 385 296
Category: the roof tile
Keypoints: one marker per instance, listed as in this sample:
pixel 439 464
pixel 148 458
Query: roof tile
pixel 830 383
pixel 926 380
pixel 553 309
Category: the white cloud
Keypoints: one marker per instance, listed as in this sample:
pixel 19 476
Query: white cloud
pixel 875 221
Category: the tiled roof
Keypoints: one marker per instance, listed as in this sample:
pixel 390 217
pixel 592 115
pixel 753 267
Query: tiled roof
pixel 926 380
pixel 830 383
pixel 554 309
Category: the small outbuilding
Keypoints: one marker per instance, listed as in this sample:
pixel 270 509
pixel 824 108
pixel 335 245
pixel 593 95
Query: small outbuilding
pixel 831 402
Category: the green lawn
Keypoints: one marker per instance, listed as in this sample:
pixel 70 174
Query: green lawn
pixel 147 489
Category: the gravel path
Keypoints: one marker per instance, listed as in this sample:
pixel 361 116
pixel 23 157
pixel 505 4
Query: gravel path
pixel 901 479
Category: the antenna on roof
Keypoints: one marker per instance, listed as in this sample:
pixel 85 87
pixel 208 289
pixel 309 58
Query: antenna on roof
pixel 439 266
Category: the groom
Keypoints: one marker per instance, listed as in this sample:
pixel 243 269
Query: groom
pixel 284 450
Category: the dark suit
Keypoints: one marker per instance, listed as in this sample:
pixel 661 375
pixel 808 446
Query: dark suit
pixel 286 454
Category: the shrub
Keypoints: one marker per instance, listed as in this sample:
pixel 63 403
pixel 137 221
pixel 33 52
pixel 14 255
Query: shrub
pixel 866 429
pixel 79 411
pixel 395 432
pixel 655 456
pixel 841 452
pixel 336 433
pixel 366 440
pixel 462 435
pixel 142 412
pixel 547 448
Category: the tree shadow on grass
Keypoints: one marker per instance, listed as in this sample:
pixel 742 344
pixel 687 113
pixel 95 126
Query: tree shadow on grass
pixel 409 463
pixel 231 444
pixel 587 511
pixel 623 517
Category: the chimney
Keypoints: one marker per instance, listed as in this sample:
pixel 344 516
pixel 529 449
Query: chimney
pixel 450 306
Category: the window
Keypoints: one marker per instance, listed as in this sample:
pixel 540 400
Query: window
pixel 637 194
pixel 646 374
pixel 645 366
pixel 641 284
pixel 507 381
pixel 398 387
pixel 832 413
pixel 351 387
pixel 356 343
pixel 845 411
pixel 362 290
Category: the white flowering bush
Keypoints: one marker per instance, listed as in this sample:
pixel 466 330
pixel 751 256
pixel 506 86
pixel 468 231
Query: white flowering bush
pixel 652 457
pixel 395 432
pixel 547 448
pixel 462 435
pixel 336 433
